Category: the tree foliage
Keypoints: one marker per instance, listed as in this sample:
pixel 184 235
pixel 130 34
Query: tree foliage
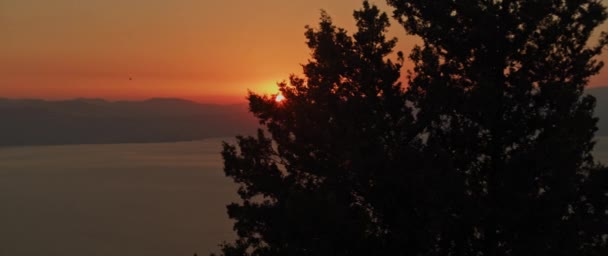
pixel 487 151
pixel 499 86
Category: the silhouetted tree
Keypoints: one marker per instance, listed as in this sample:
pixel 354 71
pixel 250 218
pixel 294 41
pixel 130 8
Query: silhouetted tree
pixel 592 209
pixel 487 152
pixel 304 188
pixel 499 86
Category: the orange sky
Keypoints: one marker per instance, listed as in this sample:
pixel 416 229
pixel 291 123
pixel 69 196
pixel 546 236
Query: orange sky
pixel 209 51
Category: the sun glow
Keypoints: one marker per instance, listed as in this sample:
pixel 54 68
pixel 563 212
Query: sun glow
pixel 279 98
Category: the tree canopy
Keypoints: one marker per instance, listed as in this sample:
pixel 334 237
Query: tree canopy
pixel 485 151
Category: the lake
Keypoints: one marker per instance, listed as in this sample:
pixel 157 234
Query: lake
pixel 123 199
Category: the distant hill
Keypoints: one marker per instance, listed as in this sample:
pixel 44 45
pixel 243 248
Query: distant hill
pixel 601 108
pixel 93 121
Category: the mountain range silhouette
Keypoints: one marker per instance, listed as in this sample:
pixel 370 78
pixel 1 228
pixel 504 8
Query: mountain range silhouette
pixel 95 121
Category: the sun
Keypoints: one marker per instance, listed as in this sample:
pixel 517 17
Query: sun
pixel 279 98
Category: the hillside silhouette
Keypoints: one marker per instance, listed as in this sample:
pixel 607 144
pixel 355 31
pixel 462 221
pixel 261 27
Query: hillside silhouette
pixel 94 121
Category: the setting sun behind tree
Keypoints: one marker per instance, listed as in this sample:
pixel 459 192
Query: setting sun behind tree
pixel 279 98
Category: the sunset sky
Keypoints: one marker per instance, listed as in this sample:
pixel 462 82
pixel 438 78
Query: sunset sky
pixel 208 51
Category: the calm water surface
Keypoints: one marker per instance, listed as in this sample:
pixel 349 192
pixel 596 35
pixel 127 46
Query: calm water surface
pixel 127 199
